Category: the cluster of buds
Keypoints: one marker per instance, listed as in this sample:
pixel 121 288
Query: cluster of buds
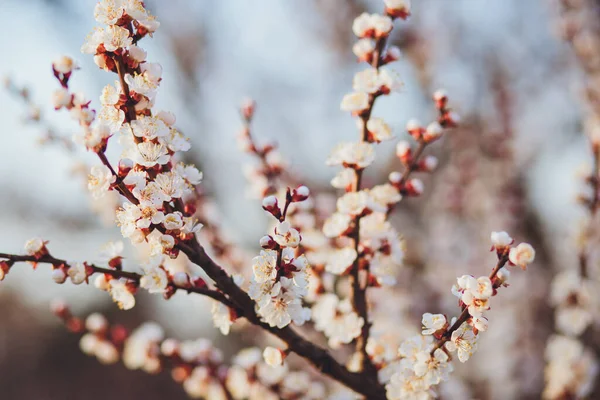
pixel 279 280
pixel 412 159
pixel 425 360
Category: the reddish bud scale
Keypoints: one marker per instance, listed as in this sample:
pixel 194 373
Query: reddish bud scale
pixel 397 13
pixel 115 263
pixel 173 253
pixel 372 281
pixel 416 133
pixel 406 158
pixel 368 58
pixel 286 270
pixel 301 193
pixel 89 270
pixel 132 287
pixel 422 166
pixel 233 315
pixel 169 292
pixel 5 266
pixel 268 243
pixel 446 120
pixel 412 188
pixel 441 102
pixel 388 58
pixel 199 283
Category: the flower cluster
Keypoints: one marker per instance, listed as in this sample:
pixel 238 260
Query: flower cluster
pixel 423 361
pixel 279 280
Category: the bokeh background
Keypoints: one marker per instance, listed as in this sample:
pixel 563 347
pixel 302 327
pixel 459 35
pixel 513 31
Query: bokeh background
pixel 513 165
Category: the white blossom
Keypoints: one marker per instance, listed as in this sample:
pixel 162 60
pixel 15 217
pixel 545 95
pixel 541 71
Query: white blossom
pixel 522 255
pixel 78 273
pixel 432 323
pixel 273 357
pixel 355 102
pixel 359 155
pixel 463 340
pixel 99 180
pixel 121 294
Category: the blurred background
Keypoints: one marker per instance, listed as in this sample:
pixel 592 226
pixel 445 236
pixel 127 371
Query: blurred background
pixel 513 165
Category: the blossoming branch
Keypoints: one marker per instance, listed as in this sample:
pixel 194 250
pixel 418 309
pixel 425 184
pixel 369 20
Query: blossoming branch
pixel 316 270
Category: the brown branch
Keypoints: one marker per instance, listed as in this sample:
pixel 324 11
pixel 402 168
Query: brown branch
pixel 316 355
pixel 592 206
pixel 359 293
pixel 48 259
pixel 130 103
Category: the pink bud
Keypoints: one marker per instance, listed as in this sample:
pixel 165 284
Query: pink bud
pixel 393 54
pixel 414 187
pixel 267 242
pixel 301 193
pixel 269 204
pixel 441 99
pixel 59 276
pixel 433 132
pixel 395 177
pixel 428 164
pixel 403 152
pixel 414 128
pixel 248 108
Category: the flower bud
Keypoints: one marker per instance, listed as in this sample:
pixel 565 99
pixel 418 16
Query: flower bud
pixel 395 178
pixel 415 129
pixel 392 54
pixel 433 132
pixel 428 164
pixel 248 108
pixel 59 276
pixel 503 275
pixel 414 187
pixel 181 279
pixel 96 322
pixel 273 357
pixel 501 240
pixel 64 65
pixel 397 8
pixel 267 242
pixel 441 98
pixel 270 205
pixel 61 98
pixel 301 193
pixel 404 152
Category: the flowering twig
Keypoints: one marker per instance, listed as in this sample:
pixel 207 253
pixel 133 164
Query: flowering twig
pixel 464 316
pixel 114 273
